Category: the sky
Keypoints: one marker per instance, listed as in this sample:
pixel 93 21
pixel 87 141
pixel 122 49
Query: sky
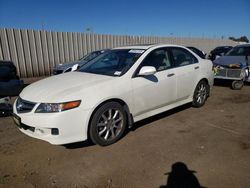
pixel 180 18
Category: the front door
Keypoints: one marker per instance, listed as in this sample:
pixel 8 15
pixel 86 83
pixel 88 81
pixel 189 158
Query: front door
pixel 158 90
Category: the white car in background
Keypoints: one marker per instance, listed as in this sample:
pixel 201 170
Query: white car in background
pixel 72 66
pixel 110 93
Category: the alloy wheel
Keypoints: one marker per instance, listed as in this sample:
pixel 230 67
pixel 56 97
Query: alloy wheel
pixel 110 124
pixel 201 93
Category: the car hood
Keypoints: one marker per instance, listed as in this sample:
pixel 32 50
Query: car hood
pixel 227 60
pixel 63 87
pixel 68 65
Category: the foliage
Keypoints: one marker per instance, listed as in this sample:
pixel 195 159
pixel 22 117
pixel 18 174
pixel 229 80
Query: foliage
pixel 241 39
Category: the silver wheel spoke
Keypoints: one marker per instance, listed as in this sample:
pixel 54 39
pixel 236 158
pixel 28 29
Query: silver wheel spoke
pixel 110 114
pixel 112 133
pixel 102 131
pixel 116 112
pixel 101 124
pixel 117 120
pixel 104 117
pixel 106 136
pixel 202 88
pixel 199 100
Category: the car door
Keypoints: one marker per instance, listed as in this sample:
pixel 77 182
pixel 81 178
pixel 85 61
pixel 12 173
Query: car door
pixel 187 71
pixel 158 90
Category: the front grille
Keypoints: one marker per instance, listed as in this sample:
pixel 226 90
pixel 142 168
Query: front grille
pixel 234 73
pixel 222 72
pixel 23 106
pixel 231 73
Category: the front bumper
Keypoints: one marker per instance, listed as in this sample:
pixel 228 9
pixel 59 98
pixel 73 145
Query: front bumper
pixel 56 128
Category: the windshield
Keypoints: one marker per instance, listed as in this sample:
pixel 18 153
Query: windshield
pixel 113 63
pixel 90 56
pixel 239 51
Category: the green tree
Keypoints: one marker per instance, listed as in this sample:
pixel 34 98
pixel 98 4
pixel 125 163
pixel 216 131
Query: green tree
pixel 241 39
pixel 244 39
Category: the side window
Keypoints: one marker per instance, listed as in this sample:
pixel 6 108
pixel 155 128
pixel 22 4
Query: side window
pixel 159 58
pixel 183 57
pixel 247 51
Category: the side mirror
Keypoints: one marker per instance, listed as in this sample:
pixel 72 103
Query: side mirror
pixel 147 70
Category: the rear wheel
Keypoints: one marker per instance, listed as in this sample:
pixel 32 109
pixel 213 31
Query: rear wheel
pixel 201 93
pixel 108 124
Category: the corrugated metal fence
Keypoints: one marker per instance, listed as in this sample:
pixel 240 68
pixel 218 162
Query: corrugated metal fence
pixel 36 52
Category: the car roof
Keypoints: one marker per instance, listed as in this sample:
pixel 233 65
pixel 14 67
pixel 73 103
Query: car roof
pixel 147 46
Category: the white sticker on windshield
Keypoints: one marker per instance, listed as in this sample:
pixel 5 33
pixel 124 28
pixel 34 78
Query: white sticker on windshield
pixel 117 73
pixel 136 51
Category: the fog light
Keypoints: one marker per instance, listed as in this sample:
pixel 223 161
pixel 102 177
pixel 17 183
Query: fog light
pixel 54 131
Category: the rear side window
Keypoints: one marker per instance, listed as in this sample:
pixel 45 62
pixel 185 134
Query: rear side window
pixel 182 57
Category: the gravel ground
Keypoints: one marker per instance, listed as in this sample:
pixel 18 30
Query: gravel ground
pixel 211 144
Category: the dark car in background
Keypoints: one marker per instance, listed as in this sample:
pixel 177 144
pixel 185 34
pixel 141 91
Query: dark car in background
pixel 72 66
pixel 235 63
pixel 237 55
pixel 197 51
pixel 10 86
pixel 219 51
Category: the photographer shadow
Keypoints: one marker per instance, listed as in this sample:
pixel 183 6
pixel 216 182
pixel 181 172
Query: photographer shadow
pixel 181 177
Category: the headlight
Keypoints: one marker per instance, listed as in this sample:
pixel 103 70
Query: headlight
pixel 57 107
pixel 247 72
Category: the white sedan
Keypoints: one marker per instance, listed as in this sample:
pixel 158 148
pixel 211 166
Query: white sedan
pixel 110 93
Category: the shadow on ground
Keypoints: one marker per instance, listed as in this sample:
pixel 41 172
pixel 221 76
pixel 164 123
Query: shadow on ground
pixel 77 145
pixel 227 83
pixel 160 116
pixel 223 83
pixel 181 177
pixel 135 126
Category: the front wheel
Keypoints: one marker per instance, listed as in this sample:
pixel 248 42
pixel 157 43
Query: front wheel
pixel 237 84
pixel 108 124
pixel 200 94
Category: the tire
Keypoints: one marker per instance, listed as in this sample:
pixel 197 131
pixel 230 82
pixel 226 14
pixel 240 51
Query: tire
pixel 201 93
pixel 237 84
pixel 108 124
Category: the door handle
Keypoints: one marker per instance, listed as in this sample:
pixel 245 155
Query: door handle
pixel 172 74
pixel 197 67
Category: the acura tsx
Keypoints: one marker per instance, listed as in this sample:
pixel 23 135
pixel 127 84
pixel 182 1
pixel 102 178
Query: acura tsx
pixel 111 92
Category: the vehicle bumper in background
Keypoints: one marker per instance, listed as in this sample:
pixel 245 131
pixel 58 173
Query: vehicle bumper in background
pixel 57 71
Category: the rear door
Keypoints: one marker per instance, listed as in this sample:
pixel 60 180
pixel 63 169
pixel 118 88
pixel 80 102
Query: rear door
pixel 187 71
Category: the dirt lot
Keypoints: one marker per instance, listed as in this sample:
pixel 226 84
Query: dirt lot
pixel 213 141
